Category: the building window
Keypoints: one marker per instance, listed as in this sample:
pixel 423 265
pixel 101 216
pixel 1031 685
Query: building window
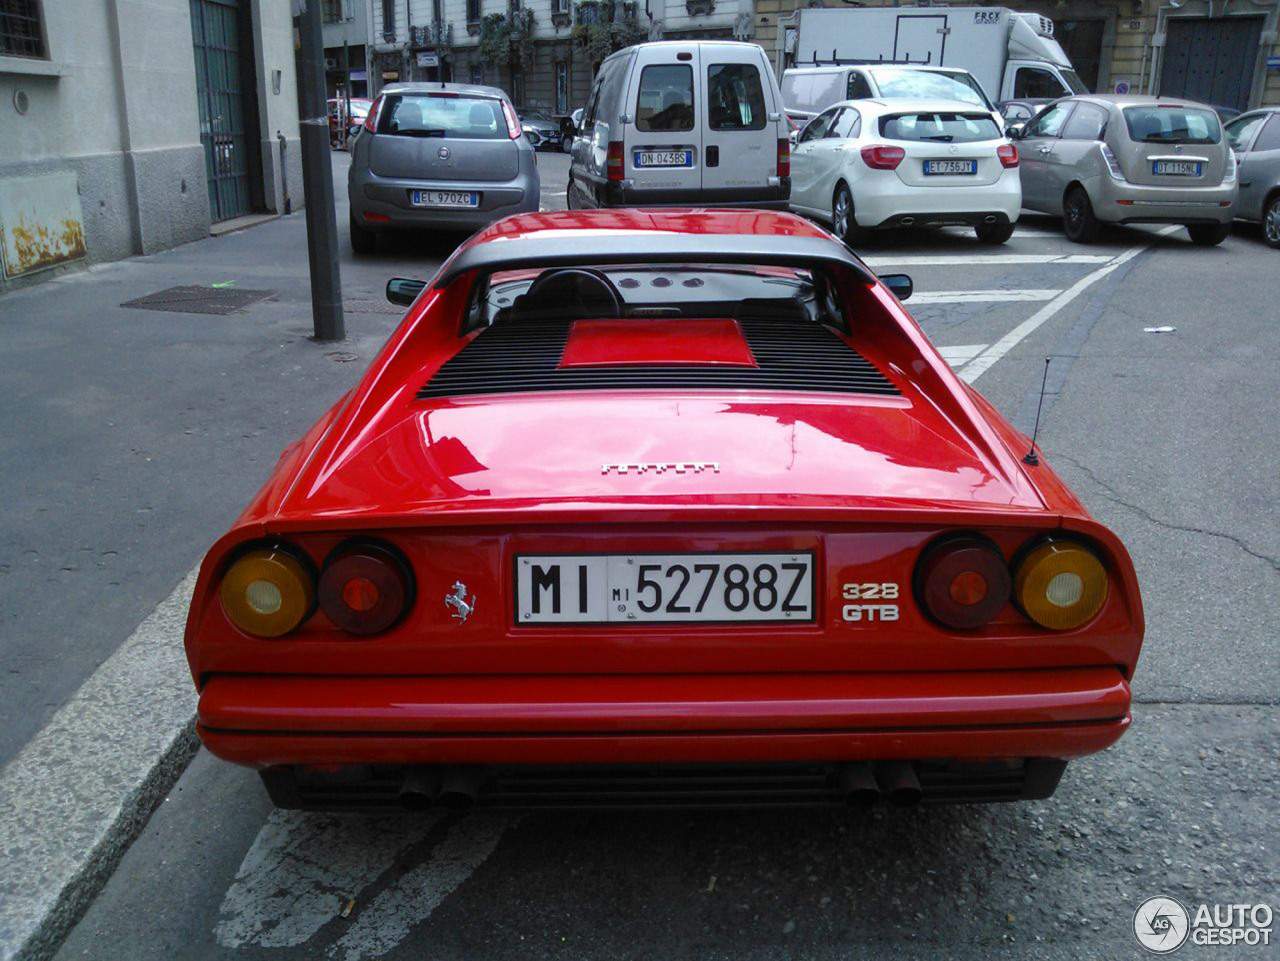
pixel 473 11
pixel 562 87
pixel 559 6
pixel 477 74
pixel 21 29
pixel 513 5
pixel 437 11
pixel 517 87
pixel 331 11
pixel 388 20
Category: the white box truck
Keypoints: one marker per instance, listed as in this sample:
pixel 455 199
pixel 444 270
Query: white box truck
pixel 1013 55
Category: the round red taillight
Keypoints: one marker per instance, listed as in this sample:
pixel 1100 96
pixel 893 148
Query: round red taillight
pixel 963 583
pixel 365 588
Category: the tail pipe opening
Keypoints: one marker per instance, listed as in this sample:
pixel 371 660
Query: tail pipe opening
pixel 420 790
pixel 858 783
pixel 898 782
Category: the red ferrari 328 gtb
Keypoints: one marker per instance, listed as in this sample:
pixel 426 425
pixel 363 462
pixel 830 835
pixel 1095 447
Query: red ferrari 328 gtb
pixel 655 507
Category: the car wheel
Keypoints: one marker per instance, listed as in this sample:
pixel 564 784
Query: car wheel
pixel 568 196
pixel 362 241
pixel 1208 235
pixel 993 233
pixel 1078 221
pixel 1271 223
pixel 843 223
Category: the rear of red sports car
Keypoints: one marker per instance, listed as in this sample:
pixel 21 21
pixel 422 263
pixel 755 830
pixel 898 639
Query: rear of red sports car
pixel 649 508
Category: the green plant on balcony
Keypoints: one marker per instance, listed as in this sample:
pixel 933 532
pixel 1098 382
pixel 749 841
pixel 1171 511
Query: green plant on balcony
pixel 495 39
pixel 522 42
pixel 604 26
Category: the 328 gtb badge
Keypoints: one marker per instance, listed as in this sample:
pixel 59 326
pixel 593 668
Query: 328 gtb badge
pixel 870 592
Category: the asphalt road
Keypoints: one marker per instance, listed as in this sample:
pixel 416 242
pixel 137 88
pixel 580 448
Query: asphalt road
pixel 1168 437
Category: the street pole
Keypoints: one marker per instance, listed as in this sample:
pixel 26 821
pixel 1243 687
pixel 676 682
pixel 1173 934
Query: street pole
pixel 317 178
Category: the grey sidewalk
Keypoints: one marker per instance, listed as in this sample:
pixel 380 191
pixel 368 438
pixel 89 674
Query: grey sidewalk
pixel 132 439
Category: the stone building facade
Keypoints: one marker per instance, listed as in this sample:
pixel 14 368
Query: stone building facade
pixel 129 126
pixel 544 53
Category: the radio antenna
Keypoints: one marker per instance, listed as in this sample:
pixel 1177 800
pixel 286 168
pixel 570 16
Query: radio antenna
pixel 1030 456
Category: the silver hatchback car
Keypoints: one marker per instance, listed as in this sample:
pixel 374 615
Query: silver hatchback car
pixel 433 155
pixel 1096 158
pixel 1256 138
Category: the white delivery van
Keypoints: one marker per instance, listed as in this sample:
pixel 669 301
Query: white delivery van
pixel 1013 55
pixel 683 123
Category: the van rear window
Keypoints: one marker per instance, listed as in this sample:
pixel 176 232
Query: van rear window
pixel 940 127
pixel 928 85
pixel 735 98
pixel 1160 124
pixel 462 118
pixel 666 98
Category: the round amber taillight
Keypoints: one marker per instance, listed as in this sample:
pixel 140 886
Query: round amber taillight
pixel 267 592
pixel 1060 585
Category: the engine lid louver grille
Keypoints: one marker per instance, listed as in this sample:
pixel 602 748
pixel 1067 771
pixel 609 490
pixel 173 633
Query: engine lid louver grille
pixel 525 356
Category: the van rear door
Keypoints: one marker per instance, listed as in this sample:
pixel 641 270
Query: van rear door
pixel 742 125
pixel 663 147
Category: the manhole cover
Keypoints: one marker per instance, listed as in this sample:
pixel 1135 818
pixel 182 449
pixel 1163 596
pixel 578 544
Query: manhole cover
pixel 371 307
pixel 200 300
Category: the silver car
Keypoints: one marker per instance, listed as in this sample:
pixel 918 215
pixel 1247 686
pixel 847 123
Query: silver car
pixel 1255 137
pixel 1098 158
pixel 450 156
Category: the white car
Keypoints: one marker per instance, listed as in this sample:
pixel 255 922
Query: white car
pixel 867 164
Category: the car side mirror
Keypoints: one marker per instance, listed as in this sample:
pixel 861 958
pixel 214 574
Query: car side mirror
pixel 1017 131
pixel 900 284
pixel 403 291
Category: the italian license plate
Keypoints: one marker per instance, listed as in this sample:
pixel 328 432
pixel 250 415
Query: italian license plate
pixel 444 198
pixel 932 167
pixel 664 158
pixel 1175 168
pixel 641 588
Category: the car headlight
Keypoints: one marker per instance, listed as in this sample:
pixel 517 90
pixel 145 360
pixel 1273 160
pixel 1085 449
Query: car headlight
pixel 268 592
pixel 1060 585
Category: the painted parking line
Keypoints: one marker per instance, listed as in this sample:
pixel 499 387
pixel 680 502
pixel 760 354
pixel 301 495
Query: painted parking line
pixel 980 296
pixel 980 260
pixel 389 874
pixel 958 356
pixel 984 361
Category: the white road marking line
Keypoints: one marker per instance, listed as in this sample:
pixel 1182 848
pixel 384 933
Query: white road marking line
pixel 979 296
pixel 983 362
pixel 960 355
pixel 79 791
pixel 303 868
pixel 981 260
pixel 395 911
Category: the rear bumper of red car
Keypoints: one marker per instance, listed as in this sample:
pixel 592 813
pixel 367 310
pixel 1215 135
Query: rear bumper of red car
pixel 272 720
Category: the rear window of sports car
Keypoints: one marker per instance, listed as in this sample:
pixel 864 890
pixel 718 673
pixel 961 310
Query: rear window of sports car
pixel 656 291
